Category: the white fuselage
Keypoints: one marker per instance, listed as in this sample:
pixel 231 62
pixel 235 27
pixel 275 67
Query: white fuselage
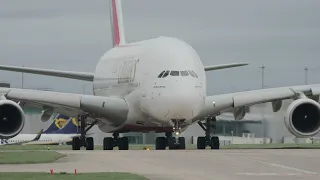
pixel 44 139
pixel 131 71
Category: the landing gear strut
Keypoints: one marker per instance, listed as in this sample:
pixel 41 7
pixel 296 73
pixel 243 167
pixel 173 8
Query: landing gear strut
pixel 83 141
pixel 207 140
pixel 175 142
pixel 110 142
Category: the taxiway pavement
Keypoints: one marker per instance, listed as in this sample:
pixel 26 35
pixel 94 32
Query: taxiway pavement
pixel 289 164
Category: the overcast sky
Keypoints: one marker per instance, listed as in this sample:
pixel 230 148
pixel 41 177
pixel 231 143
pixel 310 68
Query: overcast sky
pixel 284 35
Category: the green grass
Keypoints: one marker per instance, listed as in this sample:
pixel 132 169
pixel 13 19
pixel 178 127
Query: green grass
pixel 82 176
pixel 64 147
pixel 35 147
pixel 29 157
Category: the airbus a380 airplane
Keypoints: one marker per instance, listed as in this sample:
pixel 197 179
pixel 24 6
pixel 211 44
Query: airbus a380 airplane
pixel 152 85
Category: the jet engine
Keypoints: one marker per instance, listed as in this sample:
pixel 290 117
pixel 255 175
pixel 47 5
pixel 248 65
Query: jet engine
pixel 11 119
pixel 303 117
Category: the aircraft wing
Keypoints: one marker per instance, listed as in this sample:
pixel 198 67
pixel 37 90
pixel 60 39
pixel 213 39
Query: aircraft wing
pixel 86 76
pixel 69 104
pixel 220 103
pixel 222 66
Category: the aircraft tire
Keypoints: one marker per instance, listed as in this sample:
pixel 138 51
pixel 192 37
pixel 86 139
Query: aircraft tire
pixel 76 143
pixel 123 143
pixel 161 143
pixel 215 143
pixel 201 142
pixel 108 143
pixel 90 143
pixel 172 143
pixel 182 143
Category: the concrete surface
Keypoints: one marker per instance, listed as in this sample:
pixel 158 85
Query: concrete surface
pixel 289 164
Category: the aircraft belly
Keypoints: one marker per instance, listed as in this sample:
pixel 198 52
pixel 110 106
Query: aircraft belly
pixel 136 120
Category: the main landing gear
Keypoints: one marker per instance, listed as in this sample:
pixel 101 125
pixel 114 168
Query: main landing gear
pixel 83 141
pixel 207 140
pixel 110 142
pixel 170 141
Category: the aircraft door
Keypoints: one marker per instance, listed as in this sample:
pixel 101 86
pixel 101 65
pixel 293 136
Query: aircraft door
pixel 127 71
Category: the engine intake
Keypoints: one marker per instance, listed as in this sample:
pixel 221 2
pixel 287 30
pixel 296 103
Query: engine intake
pixel 303 118
pixel 11 119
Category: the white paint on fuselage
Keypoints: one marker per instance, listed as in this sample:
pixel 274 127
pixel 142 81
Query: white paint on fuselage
pixel 44 139
pixel 153 100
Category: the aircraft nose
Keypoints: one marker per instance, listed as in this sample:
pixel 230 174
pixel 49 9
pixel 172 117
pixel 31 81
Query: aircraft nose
pixel 164 108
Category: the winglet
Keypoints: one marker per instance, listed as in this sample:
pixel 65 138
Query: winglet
pixel 224 66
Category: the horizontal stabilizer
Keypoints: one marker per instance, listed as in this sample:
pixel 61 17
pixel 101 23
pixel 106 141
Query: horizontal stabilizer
pixel 49 72
pixel 224 66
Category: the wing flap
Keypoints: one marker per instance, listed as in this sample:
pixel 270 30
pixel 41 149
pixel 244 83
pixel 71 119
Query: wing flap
pixel 49 72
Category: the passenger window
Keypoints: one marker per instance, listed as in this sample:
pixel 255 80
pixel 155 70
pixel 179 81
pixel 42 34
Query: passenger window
pixel 191 73
pixel 195 74
pixel 184 73
pixel 165 74
pixel 160 75
pixel 174 73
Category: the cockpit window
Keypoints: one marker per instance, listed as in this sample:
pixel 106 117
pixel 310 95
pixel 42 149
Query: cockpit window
pixel 165 74
pixel 174 73
pixel 184 73
pixel 195 74
pixel 191 73
pixel 160 75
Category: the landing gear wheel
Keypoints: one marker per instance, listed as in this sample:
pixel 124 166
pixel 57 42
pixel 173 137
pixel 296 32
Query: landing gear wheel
pixel 182 143
pixel 90 143
pixel 215 143
pixel 76 143
pixel 108 143
pixel 201 143
pixel 123 143
pixel 209 127
pixel 172 143
pixel 161 143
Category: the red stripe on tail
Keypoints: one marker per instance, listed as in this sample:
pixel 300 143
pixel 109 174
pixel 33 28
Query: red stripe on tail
pixel 116 33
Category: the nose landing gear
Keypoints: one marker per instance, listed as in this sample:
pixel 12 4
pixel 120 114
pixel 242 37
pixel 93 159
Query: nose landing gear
pixel 207 140
pixel 173 142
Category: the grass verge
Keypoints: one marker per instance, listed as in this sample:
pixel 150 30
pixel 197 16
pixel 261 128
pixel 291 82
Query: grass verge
pixel 82 176
pixel 65 147
pixel 29 157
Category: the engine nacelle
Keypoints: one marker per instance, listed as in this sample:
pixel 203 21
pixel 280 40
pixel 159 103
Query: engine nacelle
pixel 239 113
pixel 12 119
pixel 303 118
pixel 46 114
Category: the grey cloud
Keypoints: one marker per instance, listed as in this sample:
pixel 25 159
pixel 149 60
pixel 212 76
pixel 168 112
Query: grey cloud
pixel 72 35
